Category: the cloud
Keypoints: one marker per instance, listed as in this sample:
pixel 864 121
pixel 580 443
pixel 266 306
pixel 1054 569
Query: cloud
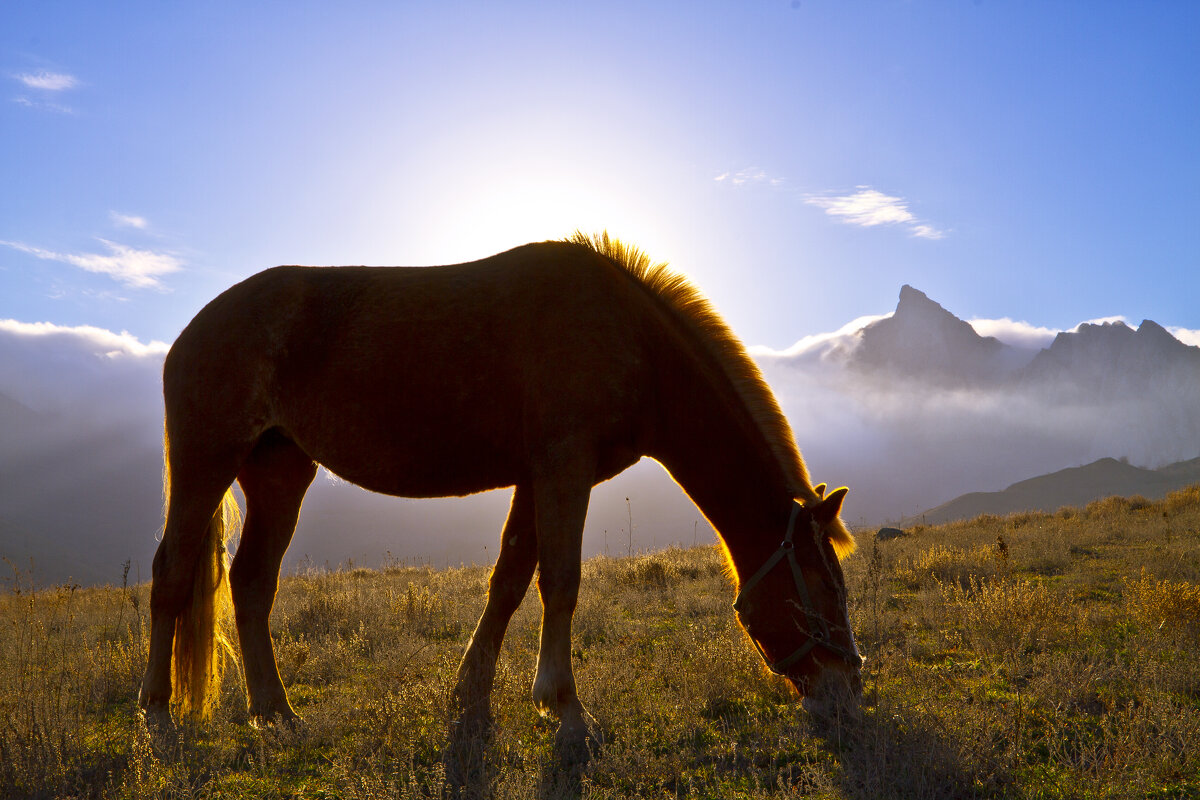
pixel 138 269
pixel 1102 321
pixel 1187 336
pixel 57 108
pixel 46 81
pixel 1017 334
pixel 748 175
pixel 96 378
pixel 869 207
pixel 91 339
pixel 127 220
pixel 927 232
pixel 821 346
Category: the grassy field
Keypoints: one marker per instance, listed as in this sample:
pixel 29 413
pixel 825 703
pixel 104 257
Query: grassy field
pixel 1035 655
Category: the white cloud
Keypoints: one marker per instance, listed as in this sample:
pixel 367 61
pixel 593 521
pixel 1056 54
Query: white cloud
pixel 1186 336
pixel 96 340
pixel 139 269
pixel 57 108
pixel 1101 321
pixel 927 232
pixel 748 175
pixel 127 220
pixel 869 207
pixel 46 81
pixel 1017 334
pixel 866 207
pixel 821 345
pixel 91 376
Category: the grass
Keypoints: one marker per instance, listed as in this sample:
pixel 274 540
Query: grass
pixel 1029 656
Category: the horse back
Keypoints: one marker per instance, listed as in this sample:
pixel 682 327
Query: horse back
pixel 430 380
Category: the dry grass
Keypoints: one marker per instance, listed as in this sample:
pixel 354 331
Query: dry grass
pixel 1035 655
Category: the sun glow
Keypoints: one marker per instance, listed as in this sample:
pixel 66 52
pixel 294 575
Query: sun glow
pixel 513 210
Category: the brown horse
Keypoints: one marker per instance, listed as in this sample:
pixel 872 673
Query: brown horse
pixel 549 368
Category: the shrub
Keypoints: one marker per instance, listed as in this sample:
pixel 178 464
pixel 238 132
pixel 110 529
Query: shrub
pixel 1170 607
pixel 944 564
pixel 1008 618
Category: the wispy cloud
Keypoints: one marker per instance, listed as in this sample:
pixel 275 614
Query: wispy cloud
pixel 869 207
pixel 127 220
pixel 139 269
pixel 43 85
pixel 1102 321
pixel 749 175
pixel 42 105
pixel 46 81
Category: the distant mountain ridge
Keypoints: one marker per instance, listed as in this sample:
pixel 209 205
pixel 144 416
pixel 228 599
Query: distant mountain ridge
pixel 922 340
pixel 1075 486
pixel 1111 355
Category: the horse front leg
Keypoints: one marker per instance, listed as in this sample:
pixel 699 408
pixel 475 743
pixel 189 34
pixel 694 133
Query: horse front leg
pixel 561 501
pixel 470 732
pixel 506 589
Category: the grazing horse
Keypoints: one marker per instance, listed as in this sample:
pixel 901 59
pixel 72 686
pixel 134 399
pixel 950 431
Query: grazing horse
pixel 549 368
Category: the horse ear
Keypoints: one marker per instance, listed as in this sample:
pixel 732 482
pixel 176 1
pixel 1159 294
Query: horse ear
pixel 827 510
pixel 819 489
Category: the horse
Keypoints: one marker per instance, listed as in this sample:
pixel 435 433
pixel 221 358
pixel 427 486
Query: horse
pixel 549 368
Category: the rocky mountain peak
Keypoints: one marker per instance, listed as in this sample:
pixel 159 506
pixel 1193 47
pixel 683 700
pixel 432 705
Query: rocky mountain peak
pixel 922 340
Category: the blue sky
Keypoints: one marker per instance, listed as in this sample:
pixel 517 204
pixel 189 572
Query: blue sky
pixel 800 160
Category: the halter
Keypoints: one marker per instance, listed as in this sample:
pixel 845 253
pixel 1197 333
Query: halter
pixel 819 628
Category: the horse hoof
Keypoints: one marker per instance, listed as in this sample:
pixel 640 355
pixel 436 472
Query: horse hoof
pixel 278 721
pixel 158 721
pixel 160 730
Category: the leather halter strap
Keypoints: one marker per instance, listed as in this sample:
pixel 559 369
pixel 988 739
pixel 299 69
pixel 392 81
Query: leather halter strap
pixel 818 628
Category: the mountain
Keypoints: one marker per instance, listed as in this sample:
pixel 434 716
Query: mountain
pixel 1112 357
pixel 1075 486
pixel 922 339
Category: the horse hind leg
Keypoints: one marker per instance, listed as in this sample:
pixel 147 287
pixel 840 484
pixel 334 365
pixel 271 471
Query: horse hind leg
pixel 194 515
pixel 274 479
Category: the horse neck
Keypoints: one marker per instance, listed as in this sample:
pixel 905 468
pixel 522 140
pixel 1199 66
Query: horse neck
pixel 712 448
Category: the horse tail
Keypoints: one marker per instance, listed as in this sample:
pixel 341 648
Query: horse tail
pixel 202 630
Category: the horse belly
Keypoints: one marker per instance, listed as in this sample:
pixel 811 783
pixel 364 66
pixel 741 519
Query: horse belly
pixel 417 452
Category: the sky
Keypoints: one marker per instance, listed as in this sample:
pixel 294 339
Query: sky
pixel 799 160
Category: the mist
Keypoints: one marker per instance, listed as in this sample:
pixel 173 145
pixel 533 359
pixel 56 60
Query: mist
pixel 81 444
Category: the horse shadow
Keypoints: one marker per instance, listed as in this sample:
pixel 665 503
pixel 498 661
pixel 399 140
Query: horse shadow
pixel 894 753
pixel 880 753
pixel 471 771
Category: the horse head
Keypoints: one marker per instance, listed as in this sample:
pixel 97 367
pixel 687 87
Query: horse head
pixel 794 609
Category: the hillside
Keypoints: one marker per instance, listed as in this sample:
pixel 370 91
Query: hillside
pixel 1037 655
pixel 1075 486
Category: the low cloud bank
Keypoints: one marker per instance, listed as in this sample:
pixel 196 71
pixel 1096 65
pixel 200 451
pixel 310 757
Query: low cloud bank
pixel 80 453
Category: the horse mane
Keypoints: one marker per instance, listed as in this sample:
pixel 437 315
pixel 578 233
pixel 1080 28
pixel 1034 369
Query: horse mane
pixel 695 312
